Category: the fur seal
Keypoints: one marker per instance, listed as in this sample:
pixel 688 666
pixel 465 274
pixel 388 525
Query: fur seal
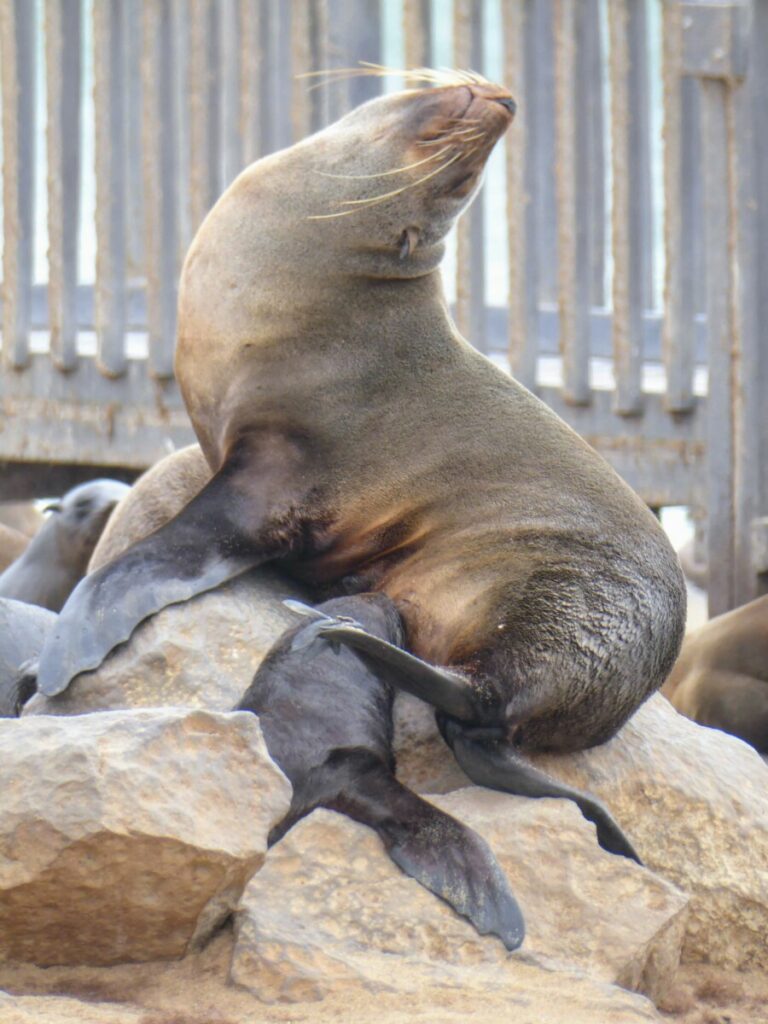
pixel 23 629
pixel 57 557
pixel 358 439
pixel 13 544
pixel 327 722
pixel 721 676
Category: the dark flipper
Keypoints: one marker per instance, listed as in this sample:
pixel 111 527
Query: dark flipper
pixel 441 853
pixel 207 543
pixel 450 692
pixel 496 765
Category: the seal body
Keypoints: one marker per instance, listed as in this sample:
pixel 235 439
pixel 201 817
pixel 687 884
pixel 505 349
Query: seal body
pixel 327 722
pixel 355 436
pixel 721 676
pixel 57 557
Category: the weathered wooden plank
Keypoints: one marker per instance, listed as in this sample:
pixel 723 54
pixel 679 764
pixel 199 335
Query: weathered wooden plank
pixel 159 167
pixel 417 33
pixel 63 41
pixel 572 162
pixel 204 110
pixel 678 307
pixel 134 179
pixel 626 237
pixel 470 235
pixel 523 312
pixel 750 205
pixel 251 61
pixel 110 121
pixel 540 87
pixel 301 64
pixel 17 67
pixel 86 417
pixel 722 399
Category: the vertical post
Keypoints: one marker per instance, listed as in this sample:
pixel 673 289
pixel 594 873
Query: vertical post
pixel 250 80
pixel 301 63
pixel 470 248
pixel 627 229
pixel 417 32
pixel 750 200
pixel 160 223
pixel 17 60
pixel 134 179
pixel 722 397
pixel 203 94
pixel 229 54
pixel 523 311
pixel 63 47
pixel 572 163
pixel 110 120
pixel 677 331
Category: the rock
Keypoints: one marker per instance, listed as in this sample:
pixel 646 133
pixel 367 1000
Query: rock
pixel 23 628
pixel 693 801
pixel 129 835
pixel 201 654
pixel 330 909
pixel 63 1010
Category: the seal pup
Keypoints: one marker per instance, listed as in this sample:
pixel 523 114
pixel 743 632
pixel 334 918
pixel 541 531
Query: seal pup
pixel 721 676
pixel 355 437
pixel 327 722
pixel 57 557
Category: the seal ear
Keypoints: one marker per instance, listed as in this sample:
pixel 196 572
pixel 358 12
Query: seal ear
pixel 408 242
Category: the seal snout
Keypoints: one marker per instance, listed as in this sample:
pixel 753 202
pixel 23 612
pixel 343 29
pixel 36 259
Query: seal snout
pixel 508 103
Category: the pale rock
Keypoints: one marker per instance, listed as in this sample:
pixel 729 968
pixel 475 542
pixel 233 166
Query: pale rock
pixel 129 835
pixel 329 908
pixel 694 802
pixel 201 654
pixel 65 1010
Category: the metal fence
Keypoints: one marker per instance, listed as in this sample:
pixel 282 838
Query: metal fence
pixel 626 219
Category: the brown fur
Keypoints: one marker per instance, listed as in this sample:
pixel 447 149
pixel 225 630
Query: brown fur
pixel 721 676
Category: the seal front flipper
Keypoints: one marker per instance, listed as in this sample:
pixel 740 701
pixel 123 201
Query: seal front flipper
pixel 214 538
pixel 449 691
pixel 441 853
pixel 495 764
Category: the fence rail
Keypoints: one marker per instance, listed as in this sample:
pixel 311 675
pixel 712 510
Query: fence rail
pixel 593 264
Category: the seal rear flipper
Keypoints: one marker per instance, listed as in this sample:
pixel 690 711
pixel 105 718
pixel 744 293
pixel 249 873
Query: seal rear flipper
pixel 438 851
pixel 496 764
pixel 448 691
pixel 197 550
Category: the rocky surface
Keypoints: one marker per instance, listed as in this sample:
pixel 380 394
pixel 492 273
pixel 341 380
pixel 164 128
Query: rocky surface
pixel 129 836
pixel 23 628
pixel 330 909
pixel 201 654
pixel 694 802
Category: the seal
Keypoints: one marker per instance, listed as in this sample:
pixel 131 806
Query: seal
pixel 13 544
pixel 23 628
pixel 57 557
pixel 358 439
pixel 721 676
pixel 327 722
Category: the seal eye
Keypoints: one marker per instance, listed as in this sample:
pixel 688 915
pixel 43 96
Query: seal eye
pixel 408 242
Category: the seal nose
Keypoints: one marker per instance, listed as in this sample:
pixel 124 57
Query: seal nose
pixel 508 103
